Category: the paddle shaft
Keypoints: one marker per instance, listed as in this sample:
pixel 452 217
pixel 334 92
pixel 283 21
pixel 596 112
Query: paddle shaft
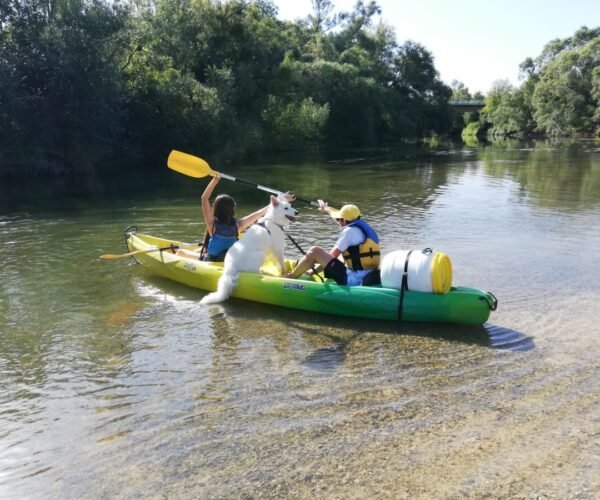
pixel 263 188
pixel 110 256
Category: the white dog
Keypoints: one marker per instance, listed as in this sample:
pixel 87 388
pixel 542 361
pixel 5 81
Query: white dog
pixel 262 242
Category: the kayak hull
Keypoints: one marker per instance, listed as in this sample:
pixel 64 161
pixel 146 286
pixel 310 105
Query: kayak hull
pixel 461 305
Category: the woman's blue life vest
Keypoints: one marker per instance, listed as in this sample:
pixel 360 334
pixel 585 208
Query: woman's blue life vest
pixel 367 254
pixel 223 237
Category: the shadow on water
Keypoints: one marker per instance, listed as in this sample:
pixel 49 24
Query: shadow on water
pixel 341 331
pixel 487 335
pixel 332 356
pixel 507 339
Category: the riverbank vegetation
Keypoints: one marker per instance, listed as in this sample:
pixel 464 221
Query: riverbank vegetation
pixel 559 97
pixel 89 85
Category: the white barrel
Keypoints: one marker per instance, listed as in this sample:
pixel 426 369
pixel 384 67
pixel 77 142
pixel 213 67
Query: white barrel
pixel 427 271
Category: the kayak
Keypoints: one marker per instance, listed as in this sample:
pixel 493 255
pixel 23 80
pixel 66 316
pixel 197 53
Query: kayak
pixel 460 305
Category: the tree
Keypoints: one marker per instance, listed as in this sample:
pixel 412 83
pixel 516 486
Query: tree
pixel 87 83
pixel 460 91
pixel 295 123
pixel 558 97
pixel 596 97
pixel 555 47
pixel 423 96
pixel 500 109
pixel 229 52
pixel 563 98
pixel 59 68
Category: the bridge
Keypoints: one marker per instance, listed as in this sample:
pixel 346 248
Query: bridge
pixel 466 105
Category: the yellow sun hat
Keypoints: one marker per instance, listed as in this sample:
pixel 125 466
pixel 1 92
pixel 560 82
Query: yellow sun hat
pixel 347 212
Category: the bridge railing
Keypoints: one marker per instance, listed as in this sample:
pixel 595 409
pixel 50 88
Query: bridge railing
pixel 466 102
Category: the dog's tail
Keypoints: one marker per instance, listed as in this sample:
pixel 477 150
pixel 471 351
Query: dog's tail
pixel 226 285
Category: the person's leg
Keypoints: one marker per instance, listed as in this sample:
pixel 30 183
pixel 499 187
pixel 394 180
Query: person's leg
pixel 315 255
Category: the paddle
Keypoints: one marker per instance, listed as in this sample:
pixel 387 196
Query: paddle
pixel 112 256
pixel 197 167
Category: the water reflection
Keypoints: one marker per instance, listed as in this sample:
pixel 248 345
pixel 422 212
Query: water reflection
pixel 555 175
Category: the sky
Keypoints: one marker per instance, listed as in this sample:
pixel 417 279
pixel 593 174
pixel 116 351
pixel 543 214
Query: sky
pixel 474 42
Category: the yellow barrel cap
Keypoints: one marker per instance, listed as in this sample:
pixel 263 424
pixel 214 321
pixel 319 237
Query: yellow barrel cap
pixel 441 273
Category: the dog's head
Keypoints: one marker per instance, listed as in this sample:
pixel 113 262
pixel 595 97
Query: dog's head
pixel 281 212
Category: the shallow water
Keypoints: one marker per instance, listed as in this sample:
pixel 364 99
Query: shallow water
pixel 116 383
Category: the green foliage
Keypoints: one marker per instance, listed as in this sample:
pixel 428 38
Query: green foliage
pixel 460 91
pixel 556 47
pixel 505 109
pixel 422 96
pixel 231 50
pixel 88 83
pixel 564 95
pixel 560 95
pixel 471 130
pixel 60 84
pixel 595 94
pixel 295 123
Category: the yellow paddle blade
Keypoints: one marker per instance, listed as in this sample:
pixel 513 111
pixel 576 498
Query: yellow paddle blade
pixel 109 256
pixel 112 256
pixel 189 165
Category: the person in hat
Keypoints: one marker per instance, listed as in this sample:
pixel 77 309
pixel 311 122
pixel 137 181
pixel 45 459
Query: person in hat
pixel 357 245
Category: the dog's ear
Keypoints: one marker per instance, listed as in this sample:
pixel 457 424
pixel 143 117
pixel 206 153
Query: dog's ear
pixel 274 201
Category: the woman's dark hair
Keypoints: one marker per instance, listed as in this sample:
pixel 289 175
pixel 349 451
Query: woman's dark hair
pixel 224 208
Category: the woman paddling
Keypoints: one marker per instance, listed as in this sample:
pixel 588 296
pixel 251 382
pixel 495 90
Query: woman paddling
pixel 222 228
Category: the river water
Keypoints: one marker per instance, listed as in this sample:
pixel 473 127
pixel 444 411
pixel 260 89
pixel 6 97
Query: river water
pixel 115 383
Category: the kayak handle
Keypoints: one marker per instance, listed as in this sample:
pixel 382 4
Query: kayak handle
pixel 492 303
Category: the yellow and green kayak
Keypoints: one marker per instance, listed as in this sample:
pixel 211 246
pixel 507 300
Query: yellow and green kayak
pixel 460 305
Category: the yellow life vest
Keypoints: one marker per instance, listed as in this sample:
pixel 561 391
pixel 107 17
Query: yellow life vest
pixel 367 254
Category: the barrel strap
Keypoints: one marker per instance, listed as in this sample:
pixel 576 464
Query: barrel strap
pixel 404 285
